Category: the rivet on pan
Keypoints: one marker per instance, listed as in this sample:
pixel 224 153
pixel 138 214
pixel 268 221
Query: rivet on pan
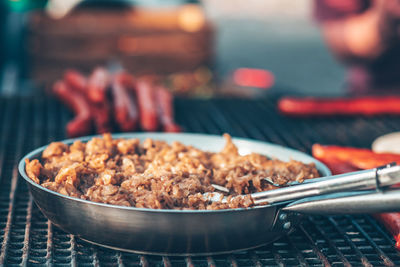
pixel 283 216
pixel 287 225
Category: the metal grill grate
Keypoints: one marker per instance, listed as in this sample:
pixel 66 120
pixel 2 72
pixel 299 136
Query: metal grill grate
pixel 27 238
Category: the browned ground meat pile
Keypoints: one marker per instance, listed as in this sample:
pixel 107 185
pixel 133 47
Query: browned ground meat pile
pixel 158 175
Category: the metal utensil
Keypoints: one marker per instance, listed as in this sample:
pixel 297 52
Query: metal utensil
pixel 189 232
pixel 349 203
pixel 354 181
pixel 361 180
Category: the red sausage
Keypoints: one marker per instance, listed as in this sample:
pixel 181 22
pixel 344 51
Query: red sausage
pixel 81 123
pixel 164 101
pixel 126 79
pixel 76 80
pixel 125 109
pixel 97 85
pixel 102 117
pixel 100 111
pixel 147 106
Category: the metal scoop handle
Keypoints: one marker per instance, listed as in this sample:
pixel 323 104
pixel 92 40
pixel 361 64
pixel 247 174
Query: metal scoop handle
pixel 354 181
pixel 349 203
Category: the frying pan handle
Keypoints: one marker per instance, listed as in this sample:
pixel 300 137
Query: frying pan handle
pixel 349 203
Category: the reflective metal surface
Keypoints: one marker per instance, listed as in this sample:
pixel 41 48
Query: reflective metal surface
pixel 170 232
pixel 354 181
pixel 349 203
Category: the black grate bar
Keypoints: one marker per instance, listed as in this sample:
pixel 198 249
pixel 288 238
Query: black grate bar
pixel 5 119
pixel 233 261
pixel 246 116
pixel 189 262
pixel 271 130
pixel 375 127
pixel 38 125
pixel 315 248
pixel 329 134
pixel 330 242
pixel 211 262
pixel 358 253
pixel 188 118
pixel 49 119
pixel 202 123
pixel 119 260
pixel 259 132
pixel 283 125
pixel 255 259
pixel 166 261
pixel 73 251
pixel 49 243
pixel 343 126
pixel 207 122
pixel 299 257
pixel 381 254
pixel 215 115
pixel 144 262
pixel 241 118
pixel 391 122
pixel 379 229
pixel 22 120
pixel 234 126
pixel 25 249
pixel 8 110
pixel 278 258
pixel 274 135
pixel 65 252
pixel 96 261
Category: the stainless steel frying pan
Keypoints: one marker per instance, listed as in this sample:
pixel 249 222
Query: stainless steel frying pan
pixel 196 232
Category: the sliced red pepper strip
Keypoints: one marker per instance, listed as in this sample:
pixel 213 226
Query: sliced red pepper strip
pixel 337 166
pixel 358 157
pixel 311 106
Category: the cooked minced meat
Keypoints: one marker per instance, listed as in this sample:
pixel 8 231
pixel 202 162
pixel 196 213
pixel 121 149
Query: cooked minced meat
pixel 158 175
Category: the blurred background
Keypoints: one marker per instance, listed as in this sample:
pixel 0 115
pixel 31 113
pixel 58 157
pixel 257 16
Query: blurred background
pixel 200 48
